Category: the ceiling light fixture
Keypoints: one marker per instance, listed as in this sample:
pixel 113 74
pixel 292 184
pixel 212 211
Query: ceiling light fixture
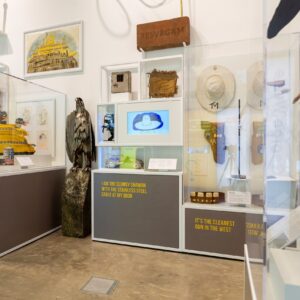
pixel 5 46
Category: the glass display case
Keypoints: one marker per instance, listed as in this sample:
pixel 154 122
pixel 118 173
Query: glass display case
pixel 282 87
pixel 224 150
pixel 32 126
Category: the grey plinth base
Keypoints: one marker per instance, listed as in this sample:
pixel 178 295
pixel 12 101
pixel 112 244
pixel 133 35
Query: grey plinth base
pixel 29 207
pixel 76 204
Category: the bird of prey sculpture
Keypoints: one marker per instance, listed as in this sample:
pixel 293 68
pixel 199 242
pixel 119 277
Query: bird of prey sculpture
pixel 284 14
pixel 80 138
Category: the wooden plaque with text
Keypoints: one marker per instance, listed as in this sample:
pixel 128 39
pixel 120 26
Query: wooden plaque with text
pixel 163 34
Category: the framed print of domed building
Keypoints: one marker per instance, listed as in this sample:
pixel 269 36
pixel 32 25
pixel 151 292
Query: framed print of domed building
pixel 53 50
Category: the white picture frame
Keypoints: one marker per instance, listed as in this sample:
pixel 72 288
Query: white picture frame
pixel 173 137
pixel 39 116
pixel 70 57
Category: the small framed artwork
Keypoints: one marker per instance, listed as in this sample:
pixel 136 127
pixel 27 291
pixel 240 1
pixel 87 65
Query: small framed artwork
pixel 53 50
pixel 39 123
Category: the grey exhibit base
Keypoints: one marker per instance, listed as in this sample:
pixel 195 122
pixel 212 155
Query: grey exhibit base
pixel 76 204
pixel 76 197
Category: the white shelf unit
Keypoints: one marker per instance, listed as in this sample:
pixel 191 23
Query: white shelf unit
pixel 167 113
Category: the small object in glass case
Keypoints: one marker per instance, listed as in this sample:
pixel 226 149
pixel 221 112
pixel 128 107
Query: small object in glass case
pixel 3 117
pixel 276 83
pixel 162 84
pixel 112 163
pixel 207 197
pixel 19 122
pixel 108 127
pixel 139 164
pixel 214 133
pixel 8 156
pixel 12 135
pixel 215 88
pixel 257 147
pixel 255 85
pixel 121 82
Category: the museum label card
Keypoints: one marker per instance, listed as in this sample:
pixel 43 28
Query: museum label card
pixel 25 162
pixel 162 164
pixel 238 198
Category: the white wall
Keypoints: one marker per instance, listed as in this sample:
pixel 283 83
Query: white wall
pixel 212 21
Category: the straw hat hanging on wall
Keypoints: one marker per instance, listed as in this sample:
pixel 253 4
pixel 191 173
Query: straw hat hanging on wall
pixel 215 88
pixel 255 85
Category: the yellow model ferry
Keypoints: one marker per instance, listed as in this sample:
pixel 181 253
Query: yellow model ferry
pixel 13 136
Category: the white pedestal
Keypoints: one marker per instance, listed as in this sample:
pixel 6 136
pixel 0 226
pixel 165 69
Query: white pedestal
pixel 284 274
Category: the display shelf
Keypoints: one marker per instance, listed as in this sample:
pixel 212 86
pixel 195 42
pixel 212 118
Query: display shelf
pixel 144 144
pixel 38 169
pixel 152 100
pixel 224 207
pixel 130 82
pixel 148 131
pixel 121 67
pixel 167 64
pixel 120 82
pixel 135 157
pixel 141 172
pixel 145 122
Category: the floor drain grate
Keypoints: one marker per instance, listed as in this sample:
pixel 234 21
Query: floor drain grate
pixel 98 285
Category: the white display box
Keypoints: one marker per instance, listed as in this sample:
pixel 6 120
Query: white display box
pixel 284 274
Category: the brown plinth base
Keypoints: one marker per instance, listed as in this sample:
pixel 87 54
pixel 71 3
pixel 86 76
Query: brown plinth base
pixel 76 204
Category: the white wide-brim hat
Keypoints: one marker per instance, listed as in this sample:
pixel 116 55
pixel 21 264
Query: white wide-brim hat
pixel 255 85
pixel 215 88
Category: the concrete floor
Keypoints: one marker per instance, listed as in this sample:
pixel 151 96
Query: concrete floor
pixel 57 267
